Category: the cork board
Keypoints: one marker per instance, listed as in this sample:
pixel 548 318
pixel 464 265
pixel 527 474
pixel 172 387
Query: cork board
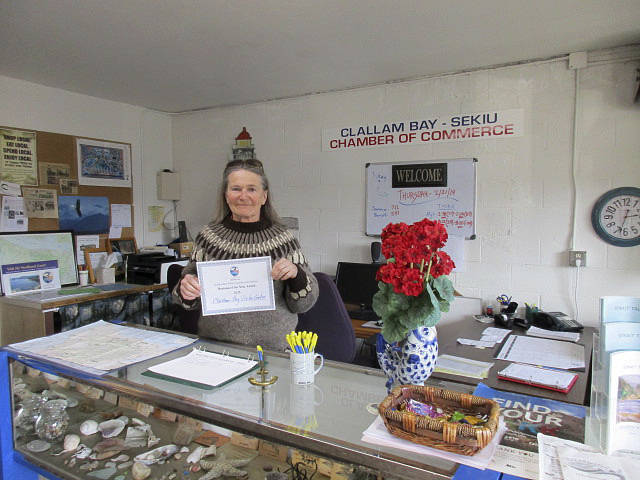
pixel 60 148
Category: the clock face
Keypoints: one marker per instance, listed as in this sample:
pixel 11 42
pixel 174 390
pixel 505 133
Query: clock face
pixel 616 216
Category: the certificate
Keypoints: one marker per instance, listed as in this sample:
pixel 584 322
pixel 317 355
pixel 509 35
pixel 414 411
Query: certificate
pixel 233 286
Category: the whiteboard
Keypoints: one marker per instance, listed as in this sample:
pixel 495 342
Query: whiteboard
pixel 452 202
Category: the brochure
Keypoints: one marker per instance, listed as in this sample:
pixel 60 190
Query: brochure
pixel 620 317
pixel 624 402
pixel 30 277
pixel 525 417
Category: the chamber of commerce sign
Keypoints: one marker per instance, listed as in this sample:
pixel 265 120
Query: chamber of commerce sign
pixel 443 128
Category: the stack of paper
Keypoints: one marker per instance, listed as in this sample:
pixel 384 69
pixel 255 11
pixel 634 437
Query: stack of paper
pixel 462 366
pixel 378 434
pixel 541 332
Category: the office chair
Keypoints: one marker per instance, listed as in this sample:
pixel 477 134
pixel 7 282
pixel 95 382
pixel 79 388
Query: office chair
pixel 330 320
pixel 187 319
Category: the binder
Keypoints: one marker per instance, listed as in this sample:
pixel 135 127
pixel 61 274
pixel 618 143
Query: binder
pixel 557 380
pixel 203 369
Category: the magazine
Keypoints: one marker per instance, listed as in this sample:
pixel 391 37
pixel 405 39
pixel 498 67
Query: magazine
pixel 624 402
pixel 525 417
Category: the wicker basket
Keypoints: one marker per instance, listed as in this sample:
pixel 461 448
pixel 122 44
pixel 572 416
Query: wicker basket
pixel 453 437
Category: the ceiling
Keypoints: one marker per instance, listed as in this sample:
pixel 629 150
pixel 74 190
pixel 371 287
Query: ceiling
pixel 181 55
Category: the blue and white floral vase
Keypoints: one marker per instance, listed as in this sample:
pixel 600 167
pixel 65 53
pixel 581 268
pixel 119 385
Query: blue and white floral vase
pixel 410 361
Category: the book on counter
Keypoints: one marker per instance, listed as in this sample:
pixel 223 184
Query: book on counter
pixel 557 380
pixel 526 416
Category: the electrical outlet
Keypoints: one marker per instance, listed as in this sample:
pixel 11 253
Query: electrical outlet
pixel 575 255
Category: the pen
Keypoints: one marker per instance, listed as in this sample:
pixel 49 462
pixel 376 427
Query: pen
pixel 259 348
pixel 291 343
pixel 314 340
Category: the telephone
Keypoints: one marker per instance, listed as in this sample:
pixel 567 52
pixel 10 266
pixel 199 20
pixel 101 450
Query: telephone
pixel 556 321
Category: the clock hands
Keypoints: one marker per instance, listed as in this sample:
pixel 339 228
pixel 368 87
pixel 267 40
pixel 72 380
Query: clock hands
pixel 626 215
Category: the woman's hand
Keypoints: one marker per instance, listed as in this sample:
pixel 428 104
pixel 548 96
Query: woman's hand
pixel 189 287
pixel 284 269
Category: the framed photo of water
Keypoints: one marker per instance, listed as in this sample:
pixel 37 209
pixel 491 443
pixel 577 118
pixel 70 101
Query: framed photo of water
pixel 30 247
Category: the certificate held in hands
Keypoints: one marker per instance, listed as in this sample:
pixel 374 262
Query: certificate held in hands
pixel 234 286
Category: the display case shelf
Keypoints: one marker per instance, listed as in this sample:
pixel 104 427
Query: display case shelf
pixel 323 421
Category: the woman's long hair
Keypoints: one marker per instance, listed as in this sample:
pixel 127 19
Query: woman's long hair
pixel 267 212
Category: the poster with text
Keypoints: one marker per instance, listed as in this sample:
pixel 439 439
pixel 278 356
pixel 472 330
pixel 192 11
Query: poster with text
pixel 18 161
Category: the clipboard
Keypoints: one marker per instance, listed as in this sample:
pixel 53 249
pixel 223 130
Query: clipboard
pixel 556 380
pixel 203 369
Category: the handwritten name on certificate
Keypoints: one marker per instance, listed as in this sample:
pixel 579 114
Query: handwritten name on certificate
pixel 233 286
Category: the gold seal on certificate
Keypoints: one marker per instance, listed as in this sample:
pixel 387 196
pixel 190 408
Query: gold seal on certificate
pixel 234 286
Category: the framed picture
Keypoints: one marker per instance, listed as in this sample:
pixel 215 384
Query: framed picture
pixel 122 245
pixel 104 164
pixel 94 258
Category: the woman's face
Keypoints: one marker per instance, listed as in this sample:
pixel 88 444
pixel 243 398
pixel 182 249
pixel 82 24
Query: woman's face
pixel 245 195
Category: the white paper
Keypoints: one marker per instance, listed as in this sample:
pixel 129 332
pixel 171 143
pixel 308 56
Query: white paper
pixel 115 232
pixel 13 218
pixel 102 346
pixel 477 343
pixel 208 368
pixel 372 324
pixel 120 215
pixel 462 366
pixel 234 286
pixel 85 241
pixel 498 333
pixel 541 351
pixel 595 466
pixel 378 434
pixel 548 461
pixel 9 188
pixel 541 332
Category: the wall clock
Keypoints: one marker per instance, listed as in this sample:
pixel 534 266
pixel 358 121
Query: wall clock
pixel 616 217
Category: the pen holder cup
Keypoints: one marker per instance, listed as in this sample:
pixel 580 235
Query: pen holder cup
pixel 303 369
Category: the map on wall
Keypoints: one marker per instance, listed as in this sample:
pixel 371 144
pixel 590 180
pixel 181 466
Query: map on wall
pixel 41 246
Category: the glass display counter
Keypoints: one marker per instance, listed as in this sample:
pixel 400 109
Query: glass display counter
pixel 276 432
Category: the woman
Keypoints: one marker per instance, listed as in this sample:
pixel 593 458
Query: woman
pixel 248 226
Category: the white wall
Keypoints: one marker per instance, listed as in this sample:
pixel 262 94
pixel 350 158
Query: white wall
pixel 524 184
pixel 36 107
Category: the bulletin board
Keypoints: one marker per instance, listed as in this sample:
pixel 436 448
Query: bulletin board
pixel 62 149
pixel 443 190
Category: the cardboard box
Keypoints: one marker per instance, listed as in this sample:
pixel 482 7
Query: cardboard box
pixel 245 441
pixel 183 249
pixel 105 275
pixel 325 466
pixel 274 451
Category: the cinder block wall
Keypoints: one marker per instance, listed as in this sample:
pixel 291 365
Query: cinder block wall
pixel 524 207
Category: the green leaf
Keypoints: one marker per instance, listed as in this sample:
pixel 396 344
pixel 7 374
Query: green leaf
pixel 398 302
pixel 444 288
pixel 392 331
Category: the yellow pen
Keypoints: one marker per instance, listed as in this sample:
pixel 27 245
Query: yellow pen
pixel 314 340
pixel 259 348
pixel 292 342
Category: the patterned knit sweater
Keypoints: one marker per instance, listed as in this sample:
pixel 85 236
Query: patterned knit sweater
pixel 230 239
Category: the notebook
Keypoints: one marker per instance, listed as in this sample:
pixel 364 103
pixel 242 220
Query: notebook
pixel 202 369
pixel 560 381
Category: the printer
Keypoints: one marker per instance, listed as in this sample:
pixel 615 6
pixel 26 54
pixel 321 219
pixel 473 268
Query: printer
pixel 144 268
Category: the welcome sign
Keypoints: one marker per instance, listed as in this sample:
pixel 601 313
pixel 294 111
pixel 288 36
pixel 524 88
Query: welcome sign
pixel 446 128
